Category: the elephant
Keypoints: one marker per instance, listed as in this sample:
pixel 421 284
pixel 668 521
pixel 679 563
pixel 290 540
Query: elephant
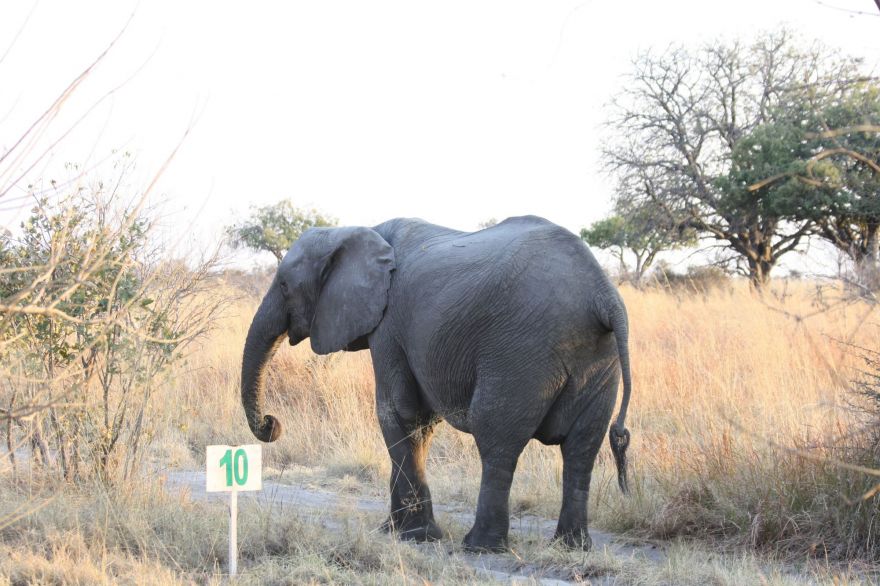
pixel 509 333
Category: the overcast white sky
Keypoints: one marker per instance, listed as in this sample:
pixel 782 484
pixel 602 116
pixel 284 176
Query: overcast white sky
pixel 452 111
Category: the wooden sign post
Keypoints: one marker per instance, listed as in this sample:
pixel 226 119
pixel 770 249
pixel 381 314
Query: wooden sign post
pixel 232 469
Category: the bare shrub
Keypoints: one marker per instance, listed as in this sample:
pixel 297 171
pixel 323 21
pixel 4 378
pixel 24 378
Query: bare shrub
pixel 251 283
pixel 697 280
pixel 93 317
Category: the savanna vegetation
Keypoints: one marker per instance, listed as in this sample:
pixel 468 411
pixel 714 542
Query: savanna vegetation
pixel 754 416
pixel 742 421
pixel 753 147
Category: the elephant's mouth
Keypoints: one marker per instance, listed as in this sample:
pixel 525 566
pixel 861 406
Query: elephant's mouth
pixel 296 333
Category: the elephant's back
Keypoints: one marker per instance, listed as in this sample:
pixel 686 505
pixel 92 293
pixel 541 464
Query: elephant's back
pixel 514 297
pixel 519 263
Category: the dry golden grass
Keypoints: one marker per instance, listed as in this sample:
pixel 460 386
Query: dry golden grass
pixel 719 379
pixel 146 536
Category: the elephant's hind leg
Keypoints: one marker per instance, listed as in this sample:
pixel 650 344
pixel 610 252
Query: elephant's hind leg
pixel 501 429
pixel 579 450
pixel 492 521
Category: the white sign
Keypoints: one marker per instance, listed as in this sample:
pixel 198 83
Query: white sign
pixel 234 468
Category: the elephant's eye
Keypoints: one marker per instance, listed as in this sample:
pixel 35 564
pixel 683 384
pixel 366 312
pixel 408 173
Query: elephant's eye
pixel 283 286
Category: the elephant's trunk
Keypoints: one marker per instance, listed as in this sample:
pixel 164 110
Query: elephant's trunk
pixel 264 336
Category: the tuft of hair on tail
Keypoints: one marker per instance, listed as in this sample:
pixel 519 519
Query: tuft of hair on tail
pixel 619 439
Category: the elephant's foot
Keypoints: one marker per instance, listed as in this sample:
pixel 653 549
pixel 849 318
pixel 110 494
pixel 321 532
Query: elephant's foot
pixel 574 539
pixel 484 542
pixel 417 530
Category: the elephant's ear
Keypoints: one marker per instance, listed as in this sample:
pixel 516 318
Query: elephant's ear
pixel 354 290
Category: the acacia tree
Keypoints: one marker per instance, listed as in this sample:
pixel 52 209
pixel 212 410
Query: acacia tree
pixel 683 116
pixel 823 167
pixel 641 231
pixel 274 228
pixel 848 165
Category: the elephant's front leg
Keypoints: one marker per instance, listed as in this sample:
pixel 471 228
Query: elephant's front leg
pixel 407 429
pixel 412 515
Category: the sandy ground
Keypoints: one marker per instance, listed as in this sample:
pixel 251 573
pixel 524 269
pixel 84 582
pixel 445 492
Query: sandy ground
pixel 508 568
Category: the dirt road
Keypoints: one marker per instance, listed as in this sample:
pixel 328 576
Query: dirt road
pixel 507 568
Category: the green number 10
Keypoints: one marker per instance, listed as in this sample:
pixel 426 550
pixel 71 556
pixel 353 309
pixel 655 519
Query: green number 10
pixel 236 466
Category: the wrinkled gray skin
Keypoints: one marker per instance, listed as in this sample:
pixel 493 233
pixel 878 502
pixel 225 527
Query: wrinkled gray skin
pixel 509 333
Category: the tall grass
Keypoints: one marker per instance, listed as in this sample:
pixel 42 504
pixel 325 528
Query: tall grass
pixel 736 410
pixel 727 387
pixel 144 535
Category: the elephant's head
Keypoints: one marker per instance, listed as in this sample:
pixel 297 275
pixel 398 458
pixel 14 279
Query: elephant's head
pixel 332 287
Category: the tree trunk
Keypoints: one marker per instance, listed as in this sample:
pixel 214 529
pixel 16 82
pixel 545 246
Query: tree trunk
pixel 872 242
pixel 623 270
pixel 640 269
pixel 759 273
pixel 38 444
pixel 869 266
pixel 645 263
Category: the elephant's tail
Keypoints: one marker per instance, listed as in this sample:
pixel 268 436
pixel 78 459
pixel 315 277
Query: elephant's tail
pixel 616 321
